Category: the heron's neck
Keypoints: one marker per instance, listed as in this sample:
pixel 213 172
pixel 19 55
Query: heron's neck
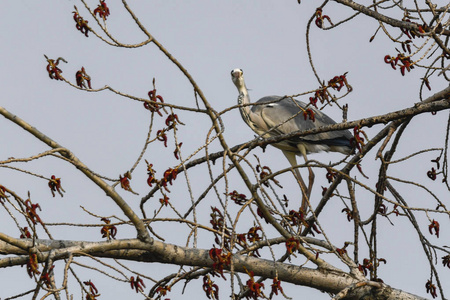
pixel 244 98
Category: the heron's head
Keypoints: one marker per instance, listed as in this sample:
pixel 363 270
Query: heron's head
pixel 238 78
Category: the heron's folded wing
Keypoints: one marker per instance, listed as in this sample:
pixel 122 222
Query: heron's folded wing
pixel 288 116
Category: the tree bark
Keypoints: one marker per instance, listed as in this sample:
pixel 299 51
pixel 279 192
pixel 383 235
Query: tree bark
pixel 330 281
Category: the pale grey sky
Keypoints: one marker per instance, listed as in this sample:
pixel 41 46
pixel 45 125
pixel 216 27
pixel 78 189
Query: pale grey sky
pixel 210 38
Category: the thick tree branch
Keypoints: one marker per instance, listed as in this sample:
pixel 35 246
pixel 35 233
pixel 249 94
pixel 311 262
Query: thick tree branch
pixel 382 18
pixel 324 280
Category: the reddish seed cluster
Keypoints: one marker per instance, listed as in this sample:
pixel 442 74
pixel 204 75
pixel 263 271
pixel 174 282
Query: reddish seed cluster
pixel 296 218
pixel 151 174
pixel 276 286
pixel 331 175
pixel 161 136
pixel 169 175
pixel 321 17
pixel 338 82
pixel 210 288
pixel 172 121
pixel 81 78
pixel 357 140
pixel 239 199
pixel 125 181
pixel 137 284
pixel 315 228
pixel 319 95
pixel 432 174
pixel 81 24
pixel 412 33
pixel 217 220
pixel 254 287
pixel 446 261
pixel 218 223
pixel 349 213
pixel 292 245
pixel 153 105
pixel 341 251
pixel 163 290
pixel 45 277
pixel 431 288
pixel 102 10
pixel 52 68
pixel 221 260
pixel 33 265
pixel 93 291
pixel 108 231
pixel 26 233
pixel 395 210
pixel 164 201
pixel 313 101
pixel 55 186
pixel 309 113
pixel 242 240
pixel 30 209
pixel 253 234
pixel 322 94
pixel 406 46
pixel 265 171
pixel 367 265
pixel 434 226
pixel 394 61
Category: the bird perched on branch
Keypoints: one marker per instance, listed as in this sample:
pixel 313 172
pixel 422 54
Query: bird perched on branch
pixel 273 116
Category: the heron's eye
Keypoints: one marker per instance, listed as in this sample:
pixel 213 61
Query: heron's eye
pixel 242 72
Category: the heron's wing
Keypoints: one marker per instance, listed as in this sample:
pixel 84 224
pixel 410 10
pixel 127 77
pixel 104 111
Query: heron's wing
pixel 288 113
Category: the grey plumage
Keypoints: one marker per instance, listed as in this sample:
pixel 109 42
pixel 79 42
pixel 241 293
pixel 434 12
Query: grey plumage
pixel 275 113
pixel 270 117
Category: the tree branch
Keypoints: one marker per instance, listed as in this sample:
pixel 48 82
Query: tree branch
pixel 138 223
pixel 136 250
pixel 382 18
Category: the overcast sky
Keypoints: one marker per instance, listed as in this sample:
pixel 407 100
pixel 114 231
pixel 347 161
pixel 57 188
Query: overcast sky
pixel 210 38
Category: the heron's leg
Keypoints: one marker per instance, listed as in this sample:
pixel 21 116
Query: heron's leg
pixel 311 173
pixel 305 191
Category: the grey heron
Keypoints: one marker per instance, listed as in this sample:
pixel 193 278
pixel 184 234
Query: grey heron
pixel 269 118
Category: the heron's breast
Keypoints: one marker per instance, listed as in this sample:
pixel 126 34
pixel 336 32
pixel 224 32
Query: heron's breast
pixel 259 126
